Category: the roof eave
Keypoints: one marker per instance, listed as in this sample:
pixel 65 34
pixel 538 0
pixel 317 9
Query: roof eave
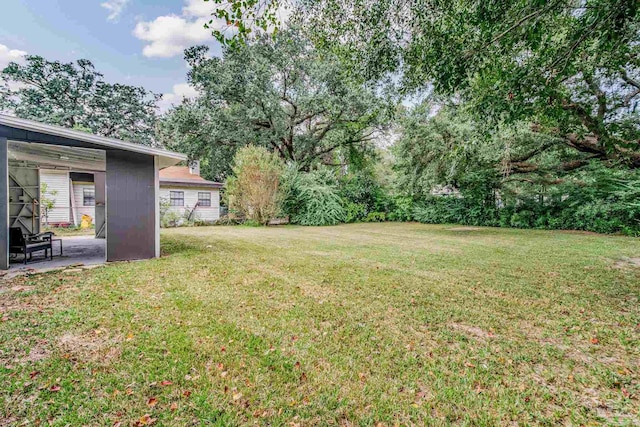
pixel 169 158
pixel 188 183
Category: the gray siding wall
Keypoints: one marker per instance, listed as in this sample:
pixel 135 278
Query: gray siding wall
pixel 131 206
pixel 101 202
pixel 4 204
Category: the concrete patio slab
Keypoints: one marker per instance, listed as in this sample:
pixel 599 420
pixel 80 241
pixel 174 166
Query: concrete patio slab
pixel 77 250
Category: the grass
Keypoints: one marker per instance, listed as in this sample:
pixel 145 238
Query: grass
pixel 70 231
pixel 366 324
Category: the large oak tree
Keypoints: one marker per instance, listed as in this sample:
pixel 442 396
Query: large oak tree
pixel 75 95
pixel 281 94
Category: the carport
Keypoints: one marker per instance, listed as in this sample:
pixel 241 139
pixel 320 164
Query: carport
pixel 126 176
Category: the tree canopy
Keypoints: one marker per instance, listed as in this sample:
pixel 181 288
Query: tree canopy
pixel 571 67
pixel 281 94
pixel 75 95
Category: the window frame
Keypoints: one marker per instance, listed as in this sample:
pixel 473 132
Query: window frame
pixel 84 197
pixel 207 200
pixel 176 201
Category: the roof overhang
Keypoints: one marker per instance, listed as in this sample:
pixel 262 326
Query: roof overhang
pixel 189 183
pixel 16 129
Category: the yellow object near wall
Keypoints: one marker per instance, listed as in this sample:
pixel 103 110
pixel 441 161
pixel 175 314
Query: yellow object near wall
pixel 86 222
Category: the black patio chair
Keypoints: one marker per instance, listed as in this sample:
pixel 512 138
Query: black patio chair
pixel 18 244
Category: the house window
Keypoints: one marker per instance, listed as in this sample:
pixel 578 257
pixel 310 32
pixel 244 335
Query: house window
pixel 204 198
pixel 88 197
pixel 176 198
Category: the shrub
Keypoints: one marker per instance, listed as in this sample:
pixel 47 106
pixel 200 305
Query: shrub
pixel 401 209
pixel 354 211
pixel 253 191
pixel 312 198
pixel 375 217
pixel 361 195
pixel 170 218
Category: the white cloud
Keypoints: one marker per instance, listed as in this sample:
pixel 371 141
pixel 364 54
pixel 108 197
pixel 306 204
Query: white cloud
pixel 10 55
pixel 115 8
pixel 169 35
pixel 198 8
pixel 180 92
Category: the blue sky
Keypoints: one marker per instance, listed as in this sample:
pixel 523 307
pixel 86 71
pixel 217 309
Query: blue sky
pixel 138 42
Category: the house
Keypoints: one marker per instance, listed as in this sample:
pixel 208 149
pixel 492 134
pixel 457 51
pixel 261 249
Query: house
pixel 182 188
pixel 57 187
pixel 126 185
pixel 187 193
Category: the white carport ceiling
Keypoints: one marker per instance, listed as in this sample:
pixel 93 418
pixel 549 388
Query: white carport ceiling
pixel 58 156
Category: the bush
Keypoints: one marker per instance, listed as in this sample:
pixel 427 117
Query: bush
pixel 254 191
pixel 401 209
pixel 312 198
pixel 171 218
pixel 375 217
pixel 599 199
pixel 354 211
pixel 362 195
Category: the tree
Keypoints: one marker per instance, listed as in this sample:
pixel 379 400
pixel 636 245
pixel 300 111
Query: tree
pixel 450 150
pixel 280 94
pixel 254 190
pixel 75 95
pixel 571 67
pixel 47 203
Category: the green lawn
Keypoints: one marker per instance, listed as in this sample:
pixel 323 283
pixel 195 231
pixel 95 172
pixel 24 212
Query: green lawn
pixel 365 324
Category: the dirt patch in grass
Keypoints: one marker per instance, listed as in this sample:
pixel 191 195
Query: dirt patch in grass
pixel 22 288
pixel 473 331
pixel 628 263
pixel 464 229
pixel 36 353
pixel 318 292
pixel 94 346
pixel 11 421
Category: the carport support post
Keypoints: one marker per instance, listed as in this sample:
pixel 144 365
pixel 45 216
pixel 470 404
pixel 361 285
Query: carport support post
pixel 131 206
pixel 156 189
pixel 99 180
pixel 4 204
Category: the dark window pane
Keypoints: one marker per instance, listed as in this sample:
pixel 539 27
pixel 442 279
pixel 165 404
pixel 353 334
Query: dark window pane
pixel 176 198
pixel 204 198
pixel 88 197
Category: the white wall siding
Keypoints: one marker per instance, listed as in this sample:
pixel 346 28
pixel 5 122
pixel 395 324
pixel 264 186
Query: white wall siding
pixel 58 182
pixel 78 194
pixel 204 213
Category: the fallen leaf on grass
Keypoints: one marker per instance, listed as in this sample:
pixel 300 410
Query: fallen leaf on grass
pixel 174 406
pixel 595 340
pixel 152 402
pixel 129 392
pixel 54 388
pixel 145 420
pixel 34 374
pixel 117 424
pixel 165 383
pixel 186 393
pixel 130 336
